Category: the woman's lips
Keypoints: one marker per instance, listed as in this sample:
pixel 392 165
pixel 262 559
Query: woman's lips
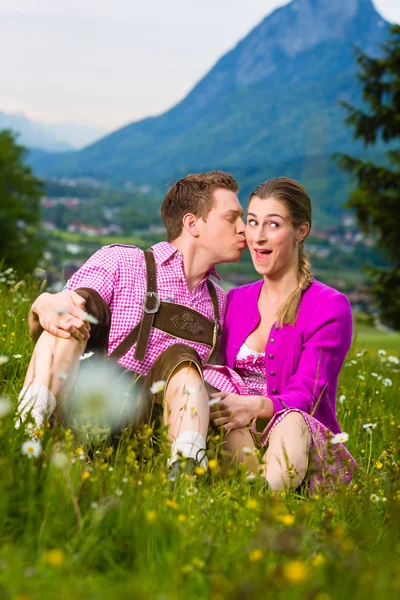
pixel 262 255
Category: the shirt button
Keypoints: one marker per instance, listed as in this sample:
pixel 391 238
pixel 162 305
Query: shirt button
pixel 276 327
pixel 272 340
pixel 274 391
pixel 272 373
pixel 270 356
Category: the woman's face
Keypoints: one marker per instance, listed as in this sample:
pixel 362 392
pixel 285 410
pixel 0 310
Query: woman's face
pixel 271 237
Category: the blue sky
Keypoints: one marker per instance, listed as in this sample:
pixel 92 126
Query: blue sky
pixel 106 63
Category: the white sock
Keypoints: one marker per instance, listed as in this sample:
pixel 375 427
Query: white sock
pixel 35 400
pixel 190 444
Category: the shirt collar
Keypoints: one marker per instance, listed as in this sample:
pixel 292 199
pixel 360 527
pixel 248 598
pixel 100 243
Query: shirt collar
pixel 163 251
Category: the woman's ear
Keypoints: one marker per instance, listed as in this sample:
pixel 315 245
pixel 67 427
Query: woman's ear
pixel 303 231
pixel 189 224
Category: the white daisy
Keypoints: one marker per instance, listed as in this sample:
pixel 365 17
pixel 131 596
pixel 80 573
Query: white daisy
pixel 3 360
pixel 342 398
pixel 17 356
pixel 189 391
pixel 387 382
pixel 374 498
pixel 214 401
pixel 394 360
pixel 5 406
pixel 31 448
pixel 382 352
pixel 157 387
pixel 340 438
pixel 370 425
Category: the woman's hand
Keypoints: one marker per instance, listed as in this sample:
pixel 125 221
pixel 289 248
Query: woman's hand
pixel 234 411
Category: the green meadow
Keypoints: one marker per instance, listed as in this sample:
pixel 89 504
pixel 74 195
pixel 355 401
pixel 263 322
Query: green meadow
pixel 84 518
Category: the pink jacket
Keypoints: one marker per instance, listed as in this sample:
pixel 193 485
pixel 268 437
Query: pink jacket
pixel 302 361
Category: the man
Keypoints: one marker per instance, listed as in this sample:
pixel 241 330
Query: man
pixel 125 289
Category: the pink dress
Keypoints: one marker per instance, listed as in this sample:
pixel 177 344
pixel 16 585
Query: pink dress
pixel 329 463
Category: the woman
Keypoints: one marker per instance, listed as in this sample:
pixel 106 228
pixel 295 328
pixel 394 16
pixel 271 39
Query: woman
pixel 286 337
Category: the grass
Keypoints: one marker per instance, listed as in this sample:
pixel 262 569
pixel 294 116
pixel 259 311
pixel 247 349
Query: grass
pixel 97 521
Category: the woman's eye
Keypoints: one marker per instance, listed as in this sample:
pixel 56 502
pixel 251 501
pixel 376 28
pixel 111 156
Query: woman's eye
pixel 273 224
pixel 251 222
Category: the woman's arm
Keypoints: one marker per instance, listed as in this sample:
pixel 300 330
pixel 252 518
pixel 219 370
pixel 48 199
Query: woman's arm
pixel 327 339
pixel 232 411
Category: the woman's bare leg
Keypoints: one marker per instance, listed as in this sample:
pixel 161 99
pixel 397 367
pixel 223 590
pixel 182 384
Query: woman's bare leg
pixel 233 444
pixel 286 459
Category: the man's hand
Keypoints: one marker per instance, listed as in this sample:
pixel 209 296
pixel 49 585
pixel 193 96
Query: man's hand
pixel 60 314
pixel 234 411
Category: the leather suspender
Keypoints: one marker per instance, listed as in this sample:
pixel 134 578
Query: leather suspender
pixel 176 320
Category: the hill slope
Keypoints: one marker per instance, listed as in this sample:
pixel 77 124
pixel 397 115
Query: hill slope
pixel 273 98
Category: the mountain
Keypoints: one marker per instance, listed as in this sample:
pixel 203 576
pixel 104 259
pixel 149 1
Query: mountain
pixel 52 137
pixel 271 99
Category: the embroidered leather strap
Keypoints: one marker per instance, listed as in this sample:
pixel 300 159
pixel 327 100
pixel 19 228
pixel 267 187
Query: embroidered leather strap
pixel 174 319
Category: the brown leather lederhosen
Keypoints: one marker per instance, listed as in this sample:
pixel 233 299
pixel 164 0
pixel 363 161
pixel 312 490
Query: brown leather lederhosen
pixel 174 319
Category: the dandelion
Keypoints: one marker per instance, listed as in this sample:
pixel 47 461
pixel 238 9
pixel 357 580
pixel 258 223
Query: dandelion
pixel 3 360
pixel 382 352
pixel 189 391
pixel 340 438
pixel 86 355
pixel 5 406
pixel 387 382
pixel 212 464
pixel 393 360
pixel 200 471
pixel 255 555
pixel 54 558
pixel 214 401
pixel 17 356
pixel 374 498
pixel 31 448
pixel 157 387
pixel 59 460
pixel 296 571
pixel 342 398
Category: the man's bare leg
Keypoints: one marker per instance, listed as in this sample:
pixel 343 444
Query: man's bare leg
pixel 50 375
pixel 187 413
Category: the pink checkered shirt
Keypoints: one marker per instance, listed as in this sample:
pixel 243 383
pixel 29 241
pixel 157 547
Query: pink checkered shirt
pixel 118 274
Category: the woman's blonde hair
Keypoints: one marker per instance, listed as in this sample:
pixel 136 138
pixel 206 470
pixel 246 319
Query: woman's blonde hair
pixel 298 204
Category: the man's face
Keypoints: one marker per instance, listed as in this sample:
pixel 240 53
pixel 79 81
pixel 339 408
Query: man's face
pixel 222 233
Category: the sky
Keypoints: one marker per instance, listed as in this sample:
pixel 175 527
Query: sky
pixel 106 63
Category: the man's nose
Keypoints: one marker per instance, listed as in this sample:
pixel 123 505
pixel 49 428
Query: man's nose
pixel 241 226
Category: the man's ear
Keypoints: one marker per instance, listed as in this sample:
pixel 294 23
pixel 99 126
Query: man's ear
pixel 190 224
pixel 303 231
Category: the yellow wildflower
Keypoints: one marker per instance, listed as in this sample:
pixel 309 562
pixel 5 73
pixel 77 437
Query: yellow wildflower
pixel 151 516
pixel 200 470
pixel 181 518
pixel 54 558
pixel 212 464
pixel 255 555
pixel 319 559
pixel 252 504
pixel 172 504
pixel 287 519
pixel 378 464
pixel 85 475
pixel 296 571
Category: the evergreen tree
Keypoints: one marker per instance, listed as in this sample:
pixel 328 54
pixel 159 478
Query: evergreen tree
pixel 20 192
pixel 376 199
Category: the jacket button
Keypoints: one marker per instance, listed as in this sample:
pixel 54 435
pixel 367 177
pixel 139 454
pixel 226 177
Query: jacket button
pixel 270 356
pixel 272 340
pixel 272 373
pixel 274 391
pixel 276 327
